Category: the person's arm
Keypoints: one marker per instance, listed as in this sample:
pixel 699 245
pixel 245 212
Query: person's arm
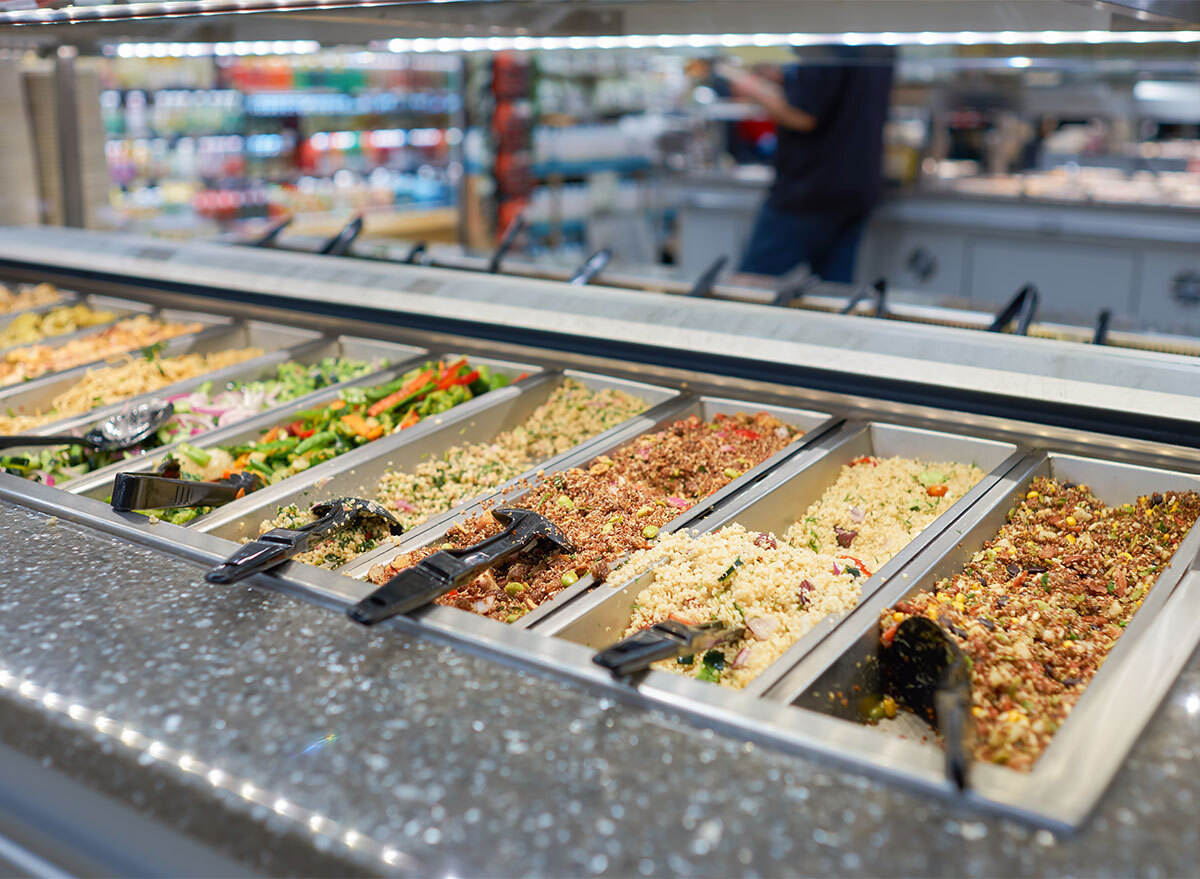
pixel 770 96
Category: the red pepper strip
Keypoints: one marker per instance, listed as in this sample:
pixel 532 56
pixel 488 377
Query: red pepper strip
pixel 452 369
pixel 392 399
pixel 890 635
pixel 470 378
pixel 296 428
pixel 523 375
pixel 860 565
pixel 1020 579
pixel 410 419
pixel 747 434
pixel 865 459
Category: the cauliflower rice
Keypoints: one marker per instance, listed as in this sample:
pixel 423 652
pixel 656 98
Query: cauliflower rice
pixel 780 589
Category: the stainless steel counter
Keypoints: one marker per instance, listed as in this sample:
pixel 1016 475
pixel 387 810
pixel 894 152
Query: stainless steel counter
pixel 242 718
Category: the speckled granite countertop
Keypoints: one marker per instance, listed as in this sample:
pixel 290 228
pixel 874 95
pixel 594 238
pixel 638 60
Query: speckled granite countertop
pixel 245 719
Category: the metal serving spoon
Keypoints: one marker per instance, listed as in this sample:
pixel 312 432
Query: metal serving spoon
pixel 119 431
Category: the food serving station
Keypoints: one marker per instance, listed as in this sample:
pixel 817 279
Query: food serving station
pixel 253 726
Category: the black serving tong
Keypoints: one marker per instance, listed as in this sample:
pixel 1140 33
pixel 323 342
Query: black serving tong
pixel 796 284
pixel 926 671
pixel 413 257
pixel 506 242
pixel 1023 306
pixel 340 243
pixel 592 266
pixel 268 238
pixel 280 544
pixel 120 431
pixel 669 639
pixel 876 290
pixel 448 569
pixel 708 279
pixel 1100 333
pixel 152 491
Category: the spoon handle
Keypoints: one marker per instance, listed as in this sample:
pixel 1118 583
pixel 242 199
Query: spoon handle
pixel 7 442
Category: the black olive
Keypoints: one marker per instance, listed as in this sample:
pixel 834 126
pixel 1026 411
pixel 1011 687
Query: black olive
pixel 1070 682
pixel 1156 499
pixel 982 580
pixel 1001 601
pixel 1068 485
pixel 987 624
pixel 715 658
pixel 1037 570
pixel 1013 570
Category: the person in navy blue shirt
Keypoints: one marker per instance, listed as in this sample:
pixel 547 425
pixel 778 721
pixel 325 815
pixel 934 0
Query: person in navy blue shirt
pixel 830 113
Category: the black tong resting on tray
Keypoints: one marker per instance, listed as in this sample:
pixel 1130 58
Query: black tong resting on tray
pixel 151 491
pixel 669 639
pixel 925 670
pixel 448 569
pixel 280 544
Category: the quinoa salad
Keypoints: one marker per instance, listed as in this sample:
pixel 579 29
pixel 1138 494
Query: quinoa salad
pixel 572 414
pixel 615 506
pixel 1039 608
pixel 778 590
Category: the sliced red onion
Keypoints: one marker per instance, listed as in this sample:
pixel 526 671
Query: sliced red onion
pixel 742 658
pixel 856 515
pixel 678 502
pixel 484 605
pixel 726 448
pixel 402 504
pixel 762 627
pixel 836 569
pixel 49 480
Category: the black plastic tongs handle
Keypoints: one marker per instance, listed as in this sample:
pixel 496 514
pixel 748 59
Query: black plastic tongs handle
pixel 340 243
pixel 148 491
pixel 927 671
pixel 669 639
pixel 591 267
pixel 708 278
pixel 269 237
pixel 1023 306
pixel 876 290
pixel 448 569
pixel 280 544
pixel 7 442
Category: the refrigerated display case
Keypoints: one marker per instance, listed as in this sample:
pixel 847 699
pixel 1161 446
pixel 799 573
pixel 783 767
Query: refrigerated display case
pixel 271 731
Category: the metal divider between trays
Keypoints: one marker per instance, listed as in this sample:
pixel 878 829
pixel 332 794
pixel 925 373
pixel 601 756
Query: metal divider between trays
pixel 258 368
pixel 122 309
pixel 778 501
pixel 506 414
pixel 251 429
pixel 210 325
pixel 815 425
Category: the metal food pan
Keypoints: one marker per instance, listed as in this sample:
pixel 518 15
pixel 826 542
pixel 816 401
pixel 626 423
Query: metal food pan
pixel 251 429
pixel 775 504
pixel 121 308
pixel 706 408
pixel 38 395
pixel 68 298
pixel 264 367
pixel 210 324
pixel 1068 779
pixel 363 479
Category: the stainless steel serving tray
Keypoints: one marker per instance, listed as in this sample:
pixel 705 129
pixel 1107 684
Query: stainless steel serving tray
pixel 600 619
pixel 68 298
pixel 1085 754
pixel 38 395
pixel 209 324
pixel 362 480
pixel 814 425
pixel 121 309
pixel 99 486
pixel 264 367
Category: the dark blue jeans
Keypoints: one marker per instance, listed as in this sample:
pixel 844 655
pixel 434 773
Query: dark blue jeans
pixel 782 240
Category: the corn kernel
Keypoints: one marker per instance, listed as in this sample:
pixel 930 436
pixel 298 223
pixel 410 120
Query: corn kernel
pixel 1032 496
pixel 976 711
pixel 898 617
pixel 1070 538
pixel 1071 521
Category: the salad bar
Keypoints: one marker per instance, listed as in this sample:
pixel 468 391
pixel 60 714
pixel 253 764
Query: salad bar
pixel 956 601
